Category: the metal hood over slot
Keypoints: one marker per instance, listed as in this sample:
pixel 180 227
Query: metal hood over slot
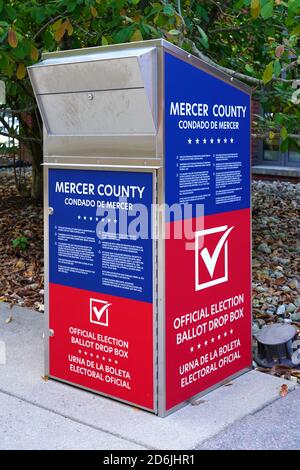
pixel 99 102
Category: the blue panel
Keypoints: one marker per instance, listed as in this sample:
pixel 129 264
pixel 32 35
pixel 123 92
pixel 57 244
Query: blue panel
pixel 207 140
pixel 95 237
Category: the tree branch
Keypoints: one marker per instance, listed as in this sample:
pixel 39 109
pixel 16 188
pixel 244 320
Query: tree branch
pixel 217 4
pixel 231 28
pixel 252 80
pixel 17 111
pixel 179 7
pixel 290 66
pixel 10 133
pixel 19 137
pixel 85 31
pixel 45 26
pixel 240 76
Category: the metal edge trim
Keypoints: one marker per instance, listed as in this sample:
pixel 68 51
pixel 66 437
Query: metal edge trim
pixel 161 333
pixel 99 165
pixel 46 276
pixel 154 290
pixel 250 216
pixel 96 159
pixel 113 47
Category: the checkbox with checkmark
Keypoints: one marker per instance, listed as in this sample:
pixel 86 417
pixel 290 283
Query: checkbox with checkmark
pixel 99 310
pixel 211 256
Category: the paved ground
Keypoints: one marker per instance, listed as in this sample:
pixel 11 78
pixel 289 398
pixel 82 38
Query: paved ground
pixel 38 414
pixel 276 426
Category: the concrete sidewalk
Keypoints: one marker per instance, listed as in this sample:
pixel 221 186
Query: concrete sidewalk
pixel 38 414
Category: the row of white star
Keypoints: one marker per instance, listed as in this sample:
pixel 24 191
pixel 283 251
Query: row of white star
pixel 218 140
pixel 96 219
pixel 96 356
pixel 212 340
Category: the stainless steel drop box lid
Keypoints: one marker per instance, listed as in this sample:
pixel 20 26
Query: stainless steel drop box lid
pixel 97 93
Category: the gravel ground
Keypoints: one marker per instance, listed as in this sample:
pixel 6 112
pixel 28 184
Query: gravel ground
pixel 276 251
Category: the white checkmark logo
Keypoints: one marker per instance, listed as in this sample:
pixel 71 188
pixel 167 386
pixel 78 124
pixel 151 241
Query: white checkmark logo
pixel 99 312
pixel 211 261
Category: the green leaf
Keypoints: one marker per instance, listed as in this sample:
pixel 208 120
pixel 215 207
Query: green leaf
pixel 11 12
pixel 38 14
pixel 267 10
pixel 147 29
pixel 241 3
pixel 1 5
pixel 20 243
pixel 279 118
pixel 161 20
pixel 284 146
pixel 277 68
pixel 72 5
pixel 174 32
pixel 19 52
pixel 104 41
pixel 93 12
pixel 268 73
pixel 293 7
pixel 283 133
pixel 34 53
pixel 249 68
pixel 124 34
pixel 156 7
pixel 47 41
pixel 137 36
pixel 255 8
pixel 21 71
pixel 203 39
pixel 202 12
pixel 296 29
pixel 271 135
pixel 169 10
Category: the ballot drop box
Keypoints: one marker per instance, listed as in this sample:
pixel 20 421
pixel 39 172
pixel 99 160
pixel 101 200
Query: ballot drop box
pixel 147 222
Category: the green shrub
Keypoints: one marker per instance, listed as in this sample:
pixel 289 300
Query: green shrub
pixel 20 243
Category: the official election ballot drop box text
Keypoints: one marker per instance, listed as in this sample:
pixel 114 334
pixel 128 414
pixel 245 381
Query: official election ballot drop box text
pixel 147 222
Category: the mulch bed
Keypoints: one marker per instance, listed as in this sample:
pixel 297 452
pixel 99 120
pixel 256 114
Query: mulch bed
pixel 21 271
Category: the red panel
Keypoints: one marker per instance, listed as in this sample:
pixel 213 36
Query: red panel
pixel 102 342
pixel 208 326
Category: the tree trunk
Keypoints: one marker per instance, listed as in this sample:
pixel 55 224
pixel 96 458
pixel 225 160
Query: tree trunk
pixel 37 157
pixel 37 172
